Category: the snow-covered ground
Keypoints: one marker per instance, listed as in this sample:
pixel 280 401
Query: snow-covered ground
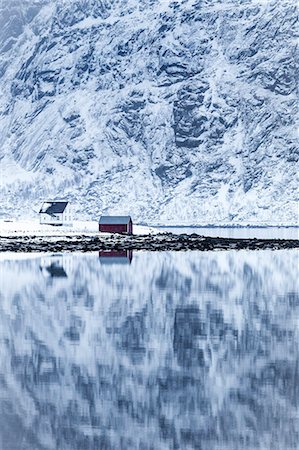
pixel 34 228
pixel 30 228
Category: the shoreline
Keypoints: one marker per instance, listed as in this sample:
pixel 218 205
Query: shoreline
pixel 156 242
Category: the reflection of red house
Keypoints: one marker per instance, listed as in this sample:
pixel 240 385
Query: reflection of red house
pixel 116 256
pixel 116 224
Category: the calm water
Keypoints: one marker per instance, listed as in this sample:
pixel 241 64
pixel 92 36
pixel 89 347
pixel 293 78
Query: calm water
pixel 238 233
pixel 154 351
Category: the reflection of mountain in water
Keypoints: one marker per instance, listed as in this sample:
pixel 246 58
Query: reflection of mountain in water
pixel 182 350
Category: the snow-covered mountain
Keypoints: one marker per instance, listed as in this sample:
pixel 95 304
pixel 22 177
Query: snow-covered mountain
pixel 172 111
pixel 200 350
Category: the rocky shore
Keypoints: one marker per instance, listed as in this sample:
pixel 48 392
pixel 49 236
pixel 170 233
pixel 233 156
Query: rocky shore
pixel 158 242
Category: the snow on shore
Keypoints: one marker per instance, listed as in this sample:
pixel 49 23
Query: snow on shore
pixel 34 228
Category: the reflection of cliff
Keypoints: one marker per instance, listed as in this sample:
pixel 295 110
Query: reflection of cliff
pixel 189 334
pixel 197 333
pixel 200 350
pixel 56 266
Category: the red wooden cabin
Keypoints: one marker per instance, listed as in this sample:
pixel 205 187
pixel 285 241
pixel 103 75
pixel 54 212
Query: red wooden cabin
pixel 116 256
pixel 116 224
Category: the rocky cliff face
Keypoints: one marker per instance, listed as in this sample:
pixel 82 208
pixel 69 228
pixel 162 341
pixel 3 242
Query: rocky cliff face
pixel 175 112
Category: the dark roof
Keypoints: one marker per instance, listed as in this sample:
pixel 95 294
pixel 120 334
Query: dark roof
pixel 115 260
pixel 53 207
pixel 56 271
pixel 114 220
pixel 116 256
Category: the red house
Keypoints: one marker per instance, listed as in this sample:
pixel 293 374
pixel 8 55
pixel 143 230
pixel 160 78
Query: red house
pixel 116 224
pixel 116 256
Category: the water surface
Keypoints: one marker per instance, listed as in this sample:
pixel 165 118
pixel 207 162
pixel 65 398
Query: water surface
pixel 238 232
pixel 186 350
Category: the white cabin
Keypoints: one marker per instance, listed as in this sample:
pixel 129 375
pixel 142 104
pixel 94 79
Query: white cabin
pixel 56 213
